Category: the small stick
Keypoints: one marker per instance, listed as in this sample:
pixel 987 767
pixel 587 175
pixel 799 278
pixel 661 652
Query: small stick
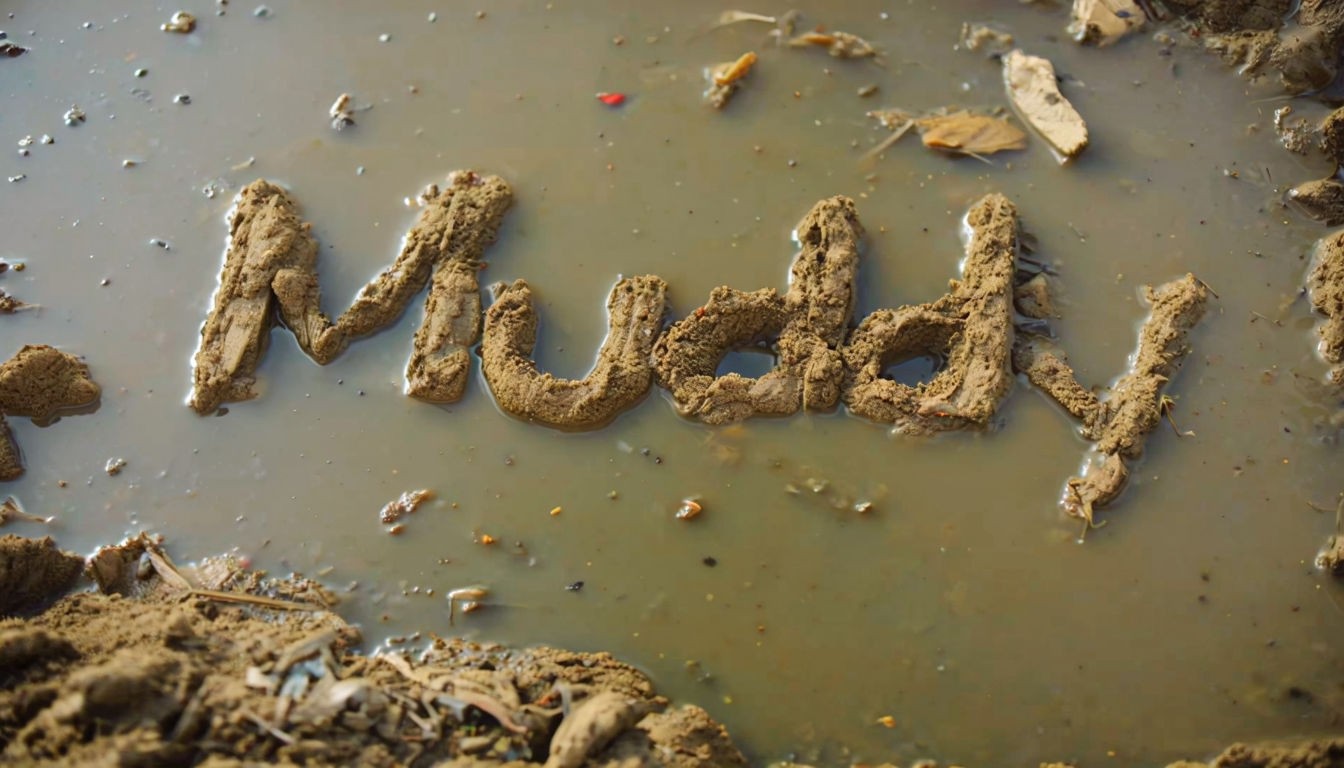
pixel 243 598
pixel 890 140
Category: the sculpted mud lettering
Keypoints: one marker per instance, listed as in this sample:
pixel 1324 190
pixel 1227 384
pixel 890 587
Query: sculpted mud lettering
pixel 619 379
pixel 1120 422
pixel 271 264
pixel 805 328
pixel 971 327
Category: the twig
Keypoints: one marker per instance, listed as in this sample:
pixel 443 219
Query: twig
pixel 889 141
pixel 243 598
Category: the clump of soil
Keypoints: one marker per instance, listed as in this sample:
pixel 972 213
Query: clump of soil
pixel 805 328
pixel 971 327
pixel 1319 753
pixel 1321 199
pixel 215 665
pixel 39 382
pixel 33 572
pixel 1325 286
pixel 271 264
pixel 1120 422
pixel 618 380
pixel 1263 36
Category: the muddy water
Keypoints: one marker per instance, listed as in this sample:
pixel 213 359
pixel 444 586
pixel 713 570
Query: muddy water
pixel 961 605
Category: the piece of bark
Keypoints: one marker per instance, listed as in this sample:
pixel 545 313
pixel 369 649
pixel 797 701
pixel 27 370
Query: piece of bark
pixel 1034 92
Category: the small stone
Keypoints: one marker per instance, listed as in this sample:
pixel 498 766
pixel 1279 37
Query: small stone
pixel 17 178
pixel 182 99
pixel 141 72
pixel 433 17
pixel 182 23
pixel 47 139
pixel 129 163
pixel 74 115
pixel 384 38
pixel 261 11
pixel 114 466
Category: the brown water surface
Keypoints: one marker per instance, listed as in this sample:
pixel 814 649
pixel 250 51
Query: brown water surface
pixel 961 605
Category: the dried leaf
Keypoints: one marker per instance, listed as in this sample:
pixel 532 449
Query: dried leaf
pixel 841 45
pixel 970 133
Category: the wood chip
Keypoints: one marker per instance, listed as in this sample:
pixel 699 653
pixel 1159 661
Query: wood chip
pixel 1034 93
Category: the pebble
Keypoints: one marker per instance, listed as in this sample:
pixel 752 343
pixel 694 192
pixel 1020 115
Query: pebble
pixel 114 466
pixel 74 115
pixel 182 99
pixel 262 11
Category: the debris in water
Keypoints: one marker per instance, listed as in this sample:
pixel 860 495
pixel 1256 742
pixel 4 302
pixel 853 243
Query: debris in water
pixel 555 511
pixel 864 91
pixel 403 505
pixel 11 50
pixel 1102 22
pixel 575 587
pixel 611 99
pixel 1331 559
pixel 841 45
pixel 983 38
pixel 181 22
pixel 724 79
pixel 886 721
pixel 342 112
pixel 16 178
pixel 1297 136
pixel 472 594
pixel 1034 92
pixel 114 466
pixel 689 509
pixel 966 133
pixel 10 511
pixel 74 116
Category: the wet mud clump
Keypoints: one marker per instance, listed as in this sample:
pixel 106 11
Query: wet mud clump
pixel 1300 41
pixel 1118 423
pixel 39 382
pixel 1325 287
pixel 217 664
pixel 271 265
pixel 620 378
pixel 33 572
pixel 804 328
pixel 1319 753
pixel 971 328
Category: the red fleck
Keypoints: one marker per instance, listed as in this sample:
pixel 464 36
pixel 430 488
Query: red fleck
pixel 614 99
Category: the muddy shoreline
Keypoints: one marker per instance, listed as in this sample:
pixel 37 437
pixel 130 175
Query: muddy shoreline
pixel 217 664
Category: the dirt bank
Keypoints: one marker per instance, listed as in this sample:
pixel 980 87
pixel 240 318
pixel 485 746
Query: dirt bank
pixel 1325 287
pixel 217 664
pixel 271 264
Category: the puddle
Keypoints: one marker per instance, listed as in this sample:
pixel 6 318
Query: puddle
pixel 958 603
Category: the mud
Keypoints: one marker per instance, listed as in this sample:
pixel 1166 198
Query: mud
pixel 1322 199
pixel 271 265
pixel 33 572
pixel 1119 422
pixel 971 328
pixel 1317 753
pixel 1325 287
pixel 1303 51
pixel 1332 136
pixel 619 379
pixel 39 382
pixel 804 328
pixel 158 673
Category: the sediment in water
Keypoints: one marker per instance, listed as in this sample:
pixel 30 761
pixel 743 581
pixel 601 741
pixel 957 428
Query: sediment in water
pixel 619 379
pixel 271 264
